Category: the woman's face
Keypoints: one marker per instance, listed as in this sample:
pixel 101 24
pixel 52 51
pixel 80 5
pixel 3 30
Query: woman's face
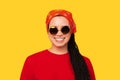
pixel 59 39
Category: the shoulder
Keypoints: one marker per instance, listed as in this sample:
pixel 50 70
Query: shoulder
pixel 88 62
pixel 36 56
pixel 90 68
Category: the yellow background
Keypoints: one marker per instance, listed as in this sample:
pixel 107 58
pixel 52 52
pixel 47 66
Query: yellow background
pixel 23 32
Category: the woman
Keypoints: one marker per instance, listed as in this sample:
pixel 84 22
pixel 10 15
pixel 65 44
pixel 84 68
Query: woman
pixel 63 60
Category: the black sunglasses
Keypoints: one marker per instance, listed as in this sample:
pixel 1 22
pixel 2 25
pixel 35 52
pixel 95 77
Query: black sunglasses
pixel 54 30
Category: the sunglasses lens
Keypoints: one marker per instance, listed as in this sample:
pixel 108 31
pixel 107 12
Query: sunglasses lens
pixel 65 29
pixel 53 30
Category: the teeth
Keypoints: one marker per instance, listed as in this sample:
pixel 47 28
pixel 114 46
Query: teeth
pixel 59 39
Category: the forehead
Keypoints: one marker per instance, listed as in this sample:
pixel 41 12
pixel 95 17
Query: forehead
pixel 59 21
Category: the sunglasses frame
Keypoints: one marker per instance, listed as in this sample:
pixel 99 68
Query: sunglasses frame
pixel 54 30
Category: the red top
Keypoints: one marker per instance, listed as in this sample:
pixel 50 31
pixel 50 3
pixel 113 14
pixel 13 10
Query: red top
pixel 46 65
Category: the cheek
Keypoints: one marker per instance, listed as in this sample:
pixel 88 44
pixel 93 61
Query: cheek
pixel 51 37
pixel 68 37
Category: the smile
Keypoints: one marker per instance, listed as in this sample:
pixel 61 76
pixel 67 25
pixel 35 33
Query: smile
pixel 59 39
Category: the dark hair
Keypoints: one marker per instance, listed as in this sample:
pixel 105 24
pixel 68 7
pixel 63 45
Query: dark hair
pixel 78 63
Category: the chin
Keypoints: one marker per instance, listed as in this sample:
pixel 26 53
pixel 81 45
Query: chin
pixel 59 45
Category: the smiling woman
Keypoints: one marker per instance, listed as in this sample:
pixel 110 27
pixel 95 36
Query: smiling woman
pixel 63 60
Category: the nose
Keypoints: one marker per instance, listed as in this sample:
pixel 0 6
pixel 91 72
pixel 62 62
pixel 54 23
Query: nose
pixel 59 33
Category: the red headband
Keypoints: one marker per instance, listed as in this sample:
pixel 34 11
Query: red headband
pixel 64 13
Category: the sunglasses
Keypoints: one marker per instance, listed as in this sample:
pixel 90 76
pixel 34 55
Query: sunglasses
pixel 54 30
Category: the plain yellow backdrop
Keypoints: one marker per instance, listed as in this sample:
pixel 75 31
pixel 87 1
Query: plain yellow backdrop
pixel 23 32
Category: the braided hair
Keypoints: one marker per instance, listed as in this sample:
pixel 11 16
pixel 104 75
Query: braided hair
pixel 78 63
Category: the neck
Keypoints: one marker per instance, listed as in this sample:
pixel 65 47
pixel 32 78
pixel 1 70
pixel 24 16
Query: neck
pixel 59 50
